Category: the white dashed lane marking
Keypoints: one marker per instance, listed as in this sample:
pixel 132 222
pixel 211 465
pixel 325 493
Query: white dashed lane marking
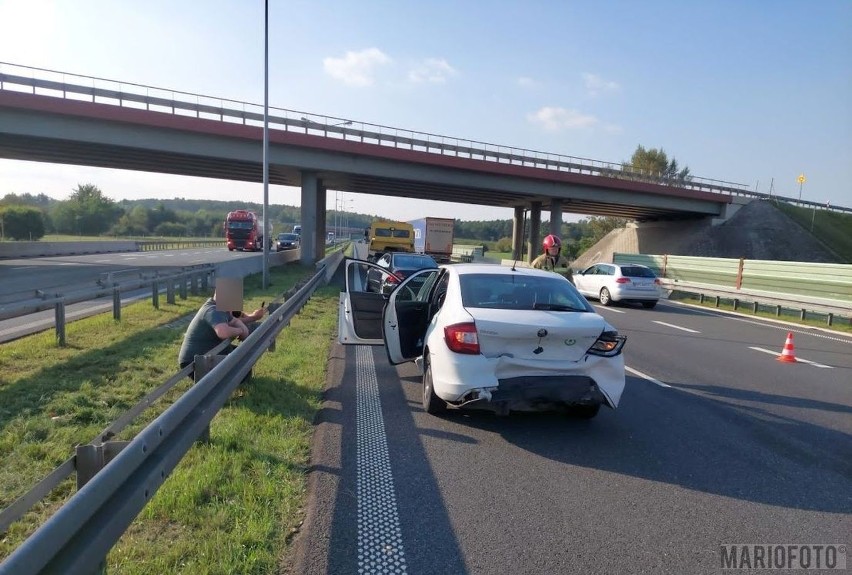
pixel 671 325
pixel 380 547
pixel 798 359
pixel 610 309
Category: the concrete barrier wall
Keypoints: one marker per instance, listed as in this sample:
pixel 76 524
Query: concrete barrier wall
pixel 815 280
pixel 12 250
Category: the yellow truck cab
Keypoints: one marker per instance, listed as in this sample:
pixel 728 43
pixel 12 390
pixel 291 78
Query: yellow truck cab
pixel 385 236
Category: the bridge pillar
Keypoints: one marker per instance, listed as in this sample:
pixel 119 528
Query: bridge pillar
pixel 518 232
pixel 556 217
pixel 310 189
pixel 533 243
pixel 319 217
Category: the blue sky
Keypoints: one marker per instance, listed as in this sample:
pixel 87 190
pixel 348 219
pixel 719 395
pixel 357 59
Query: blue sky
pixel 740 91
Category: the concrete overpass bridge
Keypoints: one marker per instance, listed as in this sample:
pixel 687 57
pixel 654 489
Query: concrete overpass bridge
pixel 60 118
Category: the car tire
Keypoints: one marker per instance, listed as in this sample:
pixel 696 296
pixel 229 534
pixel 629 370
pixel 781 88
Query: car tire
pixel 605 297
pixel 649 304
pixel 584 411
pixel 432 404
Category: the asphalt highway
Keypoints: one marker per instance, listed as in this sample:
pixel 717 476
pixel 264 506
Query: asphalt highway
pixel 715 442
pixel 21 277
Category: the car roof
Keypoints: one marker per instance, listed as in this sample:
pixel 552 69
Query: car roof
pixel 621 265
pixel 497 269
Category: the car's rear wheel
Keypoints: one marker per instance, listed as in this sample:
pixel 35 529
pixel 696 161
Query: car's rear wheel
pixel 584 411
pixel 605 298
pixel 431 402
pixel 649 304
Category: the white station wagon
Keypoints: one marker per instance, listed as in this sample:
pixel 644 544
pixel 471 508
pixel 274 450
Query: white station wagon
pixel 491 337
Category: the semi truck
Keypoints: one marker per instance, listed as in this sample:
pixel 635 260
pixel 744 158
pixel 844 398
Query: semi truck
pixel 385 236
pixel 244 231
pixel 434 236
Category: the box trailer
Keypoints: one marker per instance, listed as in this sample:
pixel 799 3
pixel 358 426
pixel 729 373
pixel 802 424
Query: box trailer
pixel 434 236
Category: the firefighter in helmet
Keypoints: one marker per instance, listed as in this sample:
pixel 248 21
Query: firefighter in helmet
pixel 552 260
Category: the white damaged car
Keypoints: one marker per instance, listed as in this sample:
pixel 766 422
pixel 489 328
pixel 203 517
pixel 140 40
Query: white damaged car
pixel 492 337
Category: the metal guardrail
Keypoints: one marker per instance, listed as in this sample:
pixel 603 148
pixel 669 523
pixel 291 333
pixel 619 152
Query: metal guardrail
pixel 191 279
pixel 126 94
pixel 159 245
pixel 77 538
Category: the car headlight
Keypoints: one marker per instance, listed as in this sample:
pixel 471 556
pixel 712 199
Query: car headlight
pixel 609 344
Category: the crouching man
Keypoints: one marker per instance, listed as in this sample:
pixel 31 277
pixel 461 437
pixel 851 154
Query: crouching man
pixel 218 319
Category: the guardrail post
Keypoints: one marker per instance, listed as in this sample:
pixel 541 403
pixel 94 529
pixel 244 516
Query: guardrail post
pixel 802 315
pixel 170 290
pixel 205 277
pixel 59 316
pixel 830 319
pixel 155 294
pixel 717 301
pixel 116 303
pixel 201 367
pixel 271 308
pixel 736 304
pixel 90 459
pixel 701 298
pixel 754 307
pixel 182 290
pixel 777 311
pixel 193 286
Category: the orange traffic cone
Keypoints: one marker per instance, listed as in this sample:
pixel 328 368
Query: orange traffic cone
pixel 787 354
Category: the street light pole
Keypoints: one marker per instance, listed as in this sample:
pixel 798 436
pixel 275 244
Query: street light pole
pixel 266 227
pixel 801 180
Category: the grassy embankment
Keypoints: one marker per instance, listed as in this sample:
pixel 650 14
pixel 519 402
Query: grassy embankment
pixel 834 229
pixel 231 504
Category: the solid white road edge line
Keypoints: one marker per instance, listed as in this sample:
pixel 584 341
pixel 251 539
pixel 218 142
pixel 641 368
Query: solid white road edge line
pixel 798 359
pixel 677 327
pixel 648 377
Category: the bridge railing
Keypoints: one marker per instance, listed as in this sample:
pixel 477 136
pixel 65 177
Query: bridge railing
pixel 125 94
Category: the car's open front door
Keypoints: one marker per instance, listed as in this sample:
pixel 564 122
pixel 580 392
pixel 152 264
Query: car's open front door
pixel 406 316
pixel 359 310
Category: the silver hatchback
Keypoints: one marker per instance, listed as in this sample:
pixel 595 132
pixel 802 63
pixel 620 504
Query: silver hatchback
pixel 619 282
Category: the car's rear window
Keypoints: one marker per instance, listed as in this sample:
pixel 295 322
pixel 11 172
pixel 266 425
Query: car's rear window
pixel 414 262
pixel 637 272
pixel 510 291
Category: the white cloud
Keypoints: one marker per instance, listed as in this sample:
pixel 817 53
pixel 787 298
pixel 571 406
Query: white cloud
pixel 596 85
pixel 356 68
pixel 432 70
pixel 555 119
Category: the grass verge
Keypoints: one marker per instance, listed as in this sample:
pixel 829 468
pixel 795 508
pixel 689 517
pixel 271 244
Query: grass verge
pixel 231 504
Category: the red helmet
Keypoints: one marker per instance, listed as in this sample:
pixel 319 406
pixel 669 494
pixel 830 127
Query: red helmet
pixel 551 241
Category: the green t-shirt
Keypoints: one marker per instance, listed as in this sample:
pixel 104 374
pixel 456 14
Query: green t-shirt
pixel 200 337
